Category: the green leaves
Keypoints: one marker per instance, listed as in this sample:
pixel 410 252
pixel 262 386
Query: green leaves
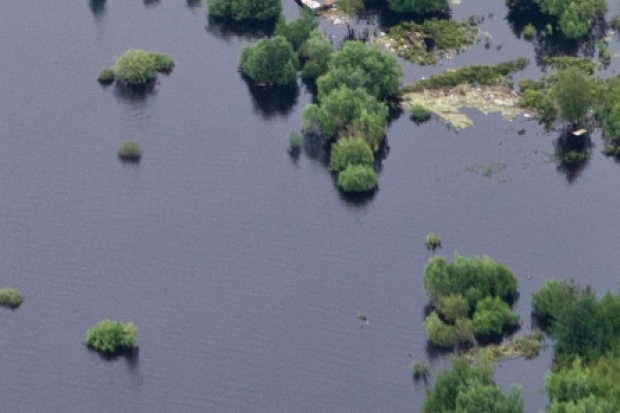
pixel 492 315
pixel 357 178
pixel 270 61
pixel 112 336
pixel 419 6
pixel 350 152
pixel 245 9
pixel 137 67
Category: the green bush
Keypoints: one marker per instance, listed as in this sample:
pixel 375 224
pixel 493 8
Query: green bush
pixel 529 31
pixel 112 336
pixel 163 62
pixel 550 299
pixel 137 67
pixel 420 370
pixel 432 242
pixel 420 113
pixel 438 332
pixel 465 275
pixel 419 6
pixel 130 150
pixel 492 315
pixel 10 298
pixel 453 306
pixel 106 75
pixel 271 61
pixel 532 98
pixel 357 178
pixel 318 52
pixel 298 31
pixel 347 152
pixel 245 9
pixel 294 141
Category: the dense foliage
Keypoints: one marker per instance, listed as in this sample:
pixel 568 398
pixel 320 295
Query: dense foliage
pixel 492 316
pixel 549 300
pixel 419 6
pixel 354 151
pixel 245 9
pixel 112 336
pixel 573 94
pixel 475 277
pixel 298 31
pixel 453 306
pixel 611 112
pixel 448 335
pixel 10 298
pixel 318 52
pixel 466 388
pixel 357 65
pixel 357 178
pixel 347 112
pixel 271 61
pixel 575 16
pixel 137 67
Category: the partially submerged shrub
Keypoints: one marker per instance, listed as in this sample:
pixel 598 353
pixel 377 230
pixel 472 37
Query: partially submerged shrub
pixel 106 75
pixel 10 298
pixel 137 67
pixel 245 9
pixel 112 336
pixel 357 178
pixel 347 152
pixel 492 316
pixel 420 113
pixel 453 306
pixel 294 141
pixel 432 242
pixel 551 298
pixel 271 61
pixel 130 151
pixel 529 31
pixel 420 370
pixel 447 335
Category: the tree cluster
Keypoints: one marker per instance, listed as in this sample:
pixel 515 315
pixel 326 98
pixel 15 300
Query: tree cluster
pixel 137 67
pixel 112 336
pixel 419 6
pixel 470 298
pixel 245 9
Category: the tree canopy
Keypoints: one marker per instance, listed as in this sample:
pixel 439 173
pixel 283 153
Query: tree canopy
pixel 419 6
pixel 357 65
pixel 611 111
pixel 245 9
pixel 270 61
pixel 573 94
pixel 357 178
pixel 347 152
pixel 299 30
pixel 318 52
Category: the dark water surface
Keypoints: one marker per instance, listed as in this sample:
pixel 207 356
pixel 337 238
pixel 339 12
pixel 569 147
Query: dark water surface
pixel 243 268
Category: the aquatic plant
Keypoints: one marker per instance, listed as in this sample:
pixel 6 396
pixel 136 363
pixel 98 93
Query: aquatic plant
pixel 492 316
pixel 244 9
pixel 353 151
pixel 294 141
pixel 317 52
pixel 453 307
pixel 432 241
pixel 106 75
pixel 362 317
pixel 299 30
pixel 446 335
pixel 112 336
pixel 137 67
pixel 420 370
pixel 10 298
pixel 357 178
pixel 419 113
pixel 419 6
pixel 271 61
pixel 130 151
pixel 529 31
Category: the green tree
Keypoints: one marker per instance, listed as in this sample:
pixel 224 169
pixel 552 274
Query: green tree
pixel 419 6
pixel 347 152
pixel 298 31
pixel 591 404
pixel 341 110
pixel 438 332
pixel 453 306
pixel 10 298
pixel 135 67
pixel 568 385
pixel 245 9
pixel 492 315
pixel 318 52
pixel 270 61
pixel 551 298
pixel 357 178
pixel 573 94
pixel 376 71
pixel 611 112
pixel 112 336
pixel 575 16
pixel 478 397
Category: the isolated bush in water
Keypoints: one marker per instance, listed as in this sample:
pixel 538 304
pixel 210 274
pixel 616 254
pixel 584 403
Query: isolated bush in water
pixel 480 276
pixel 10 298
pixel 112 336
pixel 347 152
pixel 137 67
pixel 357 178
pixel 245 9
pixel 298 31
pixel 492 315
pixel 130 151
pixel 270 61
pixel 106 75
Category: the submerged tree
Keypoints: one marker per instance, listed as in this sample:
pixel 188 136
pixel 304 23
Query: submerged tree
pixel 419 6
pixel 318 52
pixel 298 31
pixel 245 9
pixel 270 61
pixel 573 94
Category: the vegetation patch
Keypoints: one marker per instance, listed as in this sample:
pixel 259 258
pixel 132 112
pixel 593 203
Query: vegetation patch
pixel 244 9
pixel 10 298
pixel 527 346
pixel 427 42
pixel 294 142
pixel 112 337
pixel 445 103
pixel 271 61
pixel 420 113
pixel 420 370
pixel 137 67
pixel 358 178
pixel 130 151
pixel 106 75
pixel 432 242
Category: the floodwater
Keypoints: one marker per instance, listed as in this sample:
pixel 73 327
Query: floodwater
pixel 243 268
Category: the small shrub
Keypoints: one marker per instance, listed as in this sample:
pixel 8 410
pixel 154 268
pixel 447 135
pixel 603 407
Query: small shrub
pixel 294 141
pixel 163 62
pixel 357 178
pixel 130 151
pixel 420 113
pixel 532 98
pixel 106 75
pixel 615 23
pixel 420 370
pixel 432 242
pixel 463 330
pixel 354 151
pixel 112 336
pixel 529 31
pixel 492 315
pixel 438 332
pixel 10 298
pixel 551 298
pixel 135 67
pixel 362 317
pixel 453 306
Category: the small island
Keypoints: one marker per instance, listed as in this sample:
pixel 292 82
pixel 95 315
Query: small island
pixel 112 337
